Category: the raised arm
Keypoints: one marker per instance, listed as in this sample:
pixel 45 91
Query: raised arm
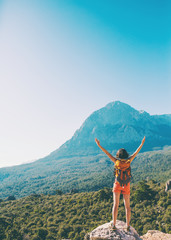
pixel 137 151
pixel 105 151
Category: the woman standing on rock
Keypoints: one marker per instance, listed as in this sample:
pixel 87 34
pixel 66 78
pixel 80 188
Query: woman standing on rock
pixel 122 172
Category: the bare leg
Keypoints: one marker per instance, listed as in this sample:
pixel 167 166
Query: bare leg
pixel 127 208
pixel 116 197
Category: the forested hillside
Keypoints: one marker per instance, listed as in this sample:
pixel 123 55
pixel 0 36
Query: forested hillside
pixel 39 217
pixel 90 173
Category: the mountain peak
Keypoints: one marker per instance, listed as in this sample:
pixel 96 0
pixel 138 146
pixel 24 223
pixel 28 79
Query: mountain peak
pixel 121 105
pixel 117 104
pixel 118 125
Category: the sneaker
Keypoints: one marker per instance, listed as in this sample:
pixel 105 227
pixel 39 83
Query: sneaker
pixel 128 228
pixel 113 227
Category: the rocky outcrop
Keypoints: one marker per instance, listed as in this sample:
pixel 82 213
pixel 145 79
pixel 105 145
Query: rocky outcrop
pixel 156 235
pixel 168 185
pixel 105 232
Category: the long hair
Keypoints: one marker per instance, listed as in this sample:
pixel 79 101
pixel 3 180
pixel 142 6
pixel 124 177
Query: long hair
pixel 122 153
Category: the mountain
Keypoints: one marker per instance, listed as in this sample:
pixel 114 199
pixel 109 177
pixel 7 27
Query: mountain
pixel 80 164
pixel 117 125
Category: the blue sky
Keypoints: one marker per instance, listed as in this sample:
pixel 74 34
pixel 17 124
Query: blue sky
pixel 61 60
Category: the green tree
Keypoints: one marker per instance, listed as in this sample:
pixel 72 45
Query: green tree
pixel 14 234
pixel 42 233
pixel 143 192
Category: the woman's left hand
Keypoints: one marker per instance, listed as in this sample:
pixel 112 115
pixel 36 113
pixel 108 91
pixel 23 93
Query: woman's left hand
pixel 97 141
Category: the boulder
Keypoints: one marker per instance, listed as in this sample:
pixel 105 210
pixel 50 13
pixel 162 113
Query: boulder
pixel 156 235
pixel 168 185
pixel 105 232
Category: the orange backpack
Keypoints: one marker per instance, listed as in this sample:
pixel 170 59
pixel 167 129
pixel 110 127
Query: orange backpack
pixel 122 171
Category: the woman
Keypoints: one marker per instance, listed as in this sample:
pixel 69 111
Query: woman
pixel 122 180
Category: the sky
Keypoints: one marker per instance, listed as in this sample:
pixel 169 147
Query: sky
pixel 61 60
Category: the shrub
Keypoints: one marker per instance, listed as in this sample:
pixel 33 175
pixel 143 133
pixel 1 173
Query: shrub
pixel 42 233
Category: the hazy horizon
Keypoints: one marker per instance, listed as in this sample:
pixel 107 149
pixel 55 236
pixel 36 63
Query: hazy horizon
pixel 63 60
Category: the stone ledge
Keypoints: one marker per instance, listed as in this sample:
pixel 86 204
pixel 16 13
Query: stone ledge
pixel 156 235
pixel 104 232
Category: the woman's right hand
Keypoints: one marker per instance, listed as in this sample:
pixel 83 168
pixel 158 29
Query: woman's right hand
pixel 143 140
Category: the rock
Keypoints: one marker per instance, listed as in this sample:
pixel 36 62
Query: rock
pixel 156 235
pixel 168 185
pixel 104 232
